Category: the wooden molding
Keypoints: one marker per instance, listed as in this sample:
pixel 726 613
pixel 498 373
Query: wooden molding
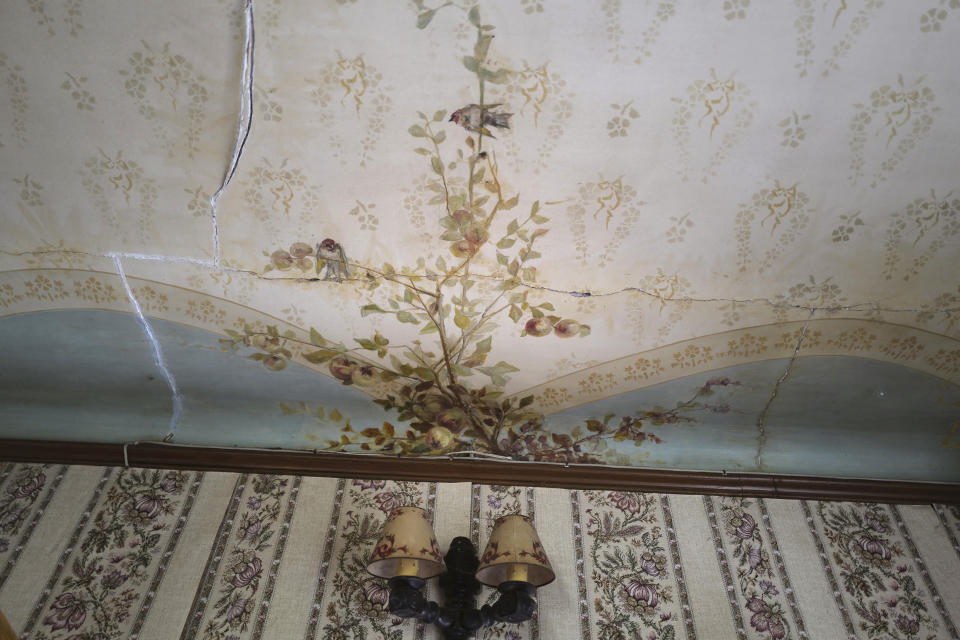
pixel 341 465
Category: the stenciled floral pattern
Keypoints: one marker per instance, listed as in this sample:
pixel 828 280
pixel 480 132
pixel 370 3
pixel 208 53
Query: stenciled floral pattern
pixel 157 78
pixel 722 110
pixel 897 116
pixel 597 205
pixel 918 232
pixel 350 82
pixel 11 74
pixel 778 214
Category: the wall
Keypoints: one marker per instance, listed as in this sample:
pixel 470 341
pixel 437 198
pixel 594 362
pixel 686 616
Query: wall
pixel 131 553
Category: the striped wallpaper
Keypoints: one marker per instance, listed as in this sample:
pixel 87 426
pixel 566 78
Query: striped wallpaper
pixel 94 552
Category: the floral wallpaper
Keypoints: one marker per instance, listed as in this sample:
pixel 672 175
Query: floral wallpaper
pixel 461 224
pixel 138 553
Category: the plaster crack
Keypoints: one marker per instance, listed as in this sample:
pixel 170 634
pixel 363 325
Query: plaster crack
pixel 244 124
pixel 762 418
pixel 157 352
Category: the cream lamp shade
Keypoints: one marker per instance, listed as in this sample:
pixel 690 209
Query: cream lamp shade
pixel 407 546
pixel 514 554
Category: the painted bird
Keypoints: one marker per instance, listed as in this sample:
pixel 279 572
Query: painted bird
pixel 477 119
pixel 330 256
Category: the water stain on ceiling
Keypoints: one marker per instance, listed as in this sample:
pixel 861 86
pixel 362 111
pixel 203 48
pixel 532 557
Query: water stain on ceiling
pixel 659 235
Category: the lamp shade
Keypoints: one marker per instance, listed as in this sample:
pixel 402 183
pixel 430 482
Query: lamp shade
pixel 514 554
pixel 407 546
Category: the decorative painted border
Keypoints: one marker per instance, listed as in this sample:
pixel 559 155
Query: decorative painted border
pixel 65 554
pixel 185 510
pixel 909 346
pixel 782 570
pixel 581 578
pixel 314 620
pixel 103 290
pixel 922 567
pixel 912 347
pixel 724 565
pixel 678 567
pixel 28 531
pixel 828 571
pixel 199 606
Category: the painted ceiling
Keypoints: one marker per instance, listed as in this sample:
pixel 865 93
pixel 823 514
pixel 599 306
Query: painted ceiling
pixel 695 235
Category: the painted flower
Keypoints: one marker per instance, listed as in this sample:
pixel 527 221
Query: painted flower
pixel 368 485
pixel 627 502
pixel 274 363
pixel 281 259
pixel 388 501
pixel 874 524
pixel 172 482
pixel 908 625
pixel 376 592
pixel 253 503
pixel 112 579
pixel 566 328
pixel 342 368
pixel 755 557
pixel 145 508
pixel 9 519
pixel 641 597
pixel 68 613
pixel 494 502
pixel 250 532
pixel 538 327
pixel 29 487
pixel 373 603
pixel 239 610
pixel 438 438
pixel 244 574
pixel 743 526
pixel 766 618
pixel 874 551
pixel 300 250
pixel 651 565
pixel 768 588
pixel 454 419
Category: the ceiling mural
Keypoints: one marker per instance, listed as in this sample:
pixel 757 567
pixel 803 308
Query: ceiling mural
pixel 641 234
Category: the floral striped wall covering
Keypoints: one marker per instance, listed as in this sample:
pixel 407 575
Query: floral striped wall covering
pixel 89 552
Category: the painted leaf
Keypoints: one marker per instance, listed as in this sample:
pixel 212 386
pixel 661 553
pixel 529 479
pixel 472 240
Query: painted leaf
pixel 320 356
pixel 367 309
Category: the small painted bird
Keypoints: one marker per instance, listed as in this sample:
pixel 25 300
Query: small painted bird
pixel 477 119
pixel 330 256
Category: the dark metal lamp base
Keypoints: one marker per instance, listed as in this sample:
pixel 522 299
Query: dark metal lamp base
pixel 458 617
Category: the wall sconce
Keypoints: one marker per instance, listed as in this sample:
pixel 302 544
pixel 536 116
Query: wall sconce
pixel 408 555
